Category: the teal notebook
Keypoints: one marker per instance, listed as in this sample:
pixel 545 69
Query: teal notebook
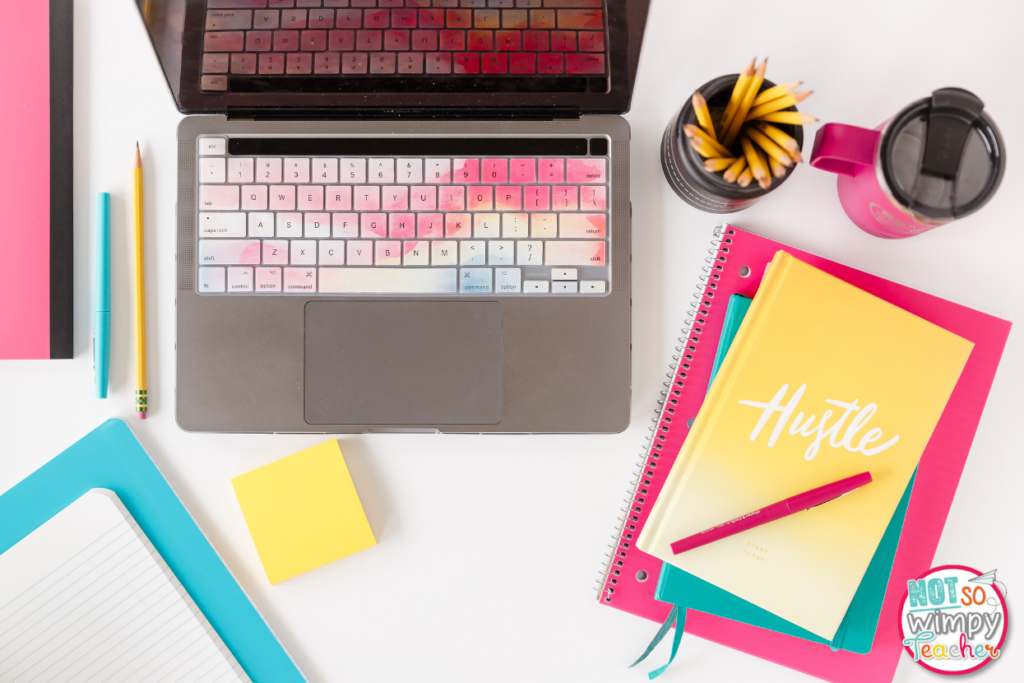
pixel 857 631
pixel 111 457
pixel 734 315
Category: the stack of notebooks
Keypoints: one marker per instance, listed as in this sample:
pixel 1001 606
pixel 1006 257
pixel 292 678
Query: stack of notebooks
pixel 830 373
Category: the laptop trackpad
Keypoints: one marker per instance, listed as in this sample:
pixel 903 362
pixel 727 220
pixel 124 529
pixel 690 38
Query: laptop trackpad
pixel 403 363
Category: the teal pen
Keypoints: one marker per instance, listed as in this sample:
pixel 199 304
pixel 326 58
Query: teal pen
pixel 101 305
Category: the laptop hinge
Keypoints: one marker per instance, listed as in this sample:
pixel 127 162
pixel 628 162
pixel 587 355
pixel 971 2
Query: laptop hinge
pixel 403 113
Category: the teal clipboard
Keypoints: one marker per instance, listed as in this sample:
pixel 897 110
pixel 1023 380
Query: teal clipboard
pixel 111 457
pixel 857 631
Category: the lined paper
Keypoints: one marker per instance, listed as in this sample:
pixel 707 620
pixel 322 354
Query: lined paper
pixel 87 598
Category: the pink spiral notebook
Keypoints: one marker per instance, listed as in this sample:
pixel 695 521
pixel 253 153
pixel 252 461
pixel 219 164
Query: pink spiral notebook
pixel 736 263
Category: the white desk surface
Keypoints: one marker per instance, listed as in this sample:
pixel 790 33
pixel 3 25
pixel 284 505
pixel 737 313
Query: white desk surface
pixel 490 547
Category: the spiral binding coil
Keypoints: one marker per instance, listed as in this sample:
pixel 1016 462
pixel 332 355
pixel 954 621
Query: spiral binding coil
pixel 649 455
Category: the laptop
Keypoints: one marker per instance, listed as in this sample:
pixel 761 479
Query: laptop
pixel 402 215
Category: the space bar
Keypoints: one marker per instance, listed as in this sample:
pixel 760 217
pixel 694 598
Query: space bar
pixel 388 280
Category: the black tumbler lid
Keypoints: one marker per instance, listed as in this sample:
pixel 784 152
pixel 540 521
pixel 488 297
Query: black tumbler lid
pixel 942 156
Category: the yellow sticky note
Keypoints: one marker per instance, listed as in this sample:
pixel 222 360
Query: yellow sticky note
pixel 303 511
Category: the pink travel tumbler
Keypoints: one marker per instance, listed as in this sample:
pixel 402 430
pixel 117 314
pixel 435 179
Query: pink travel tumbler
pixel 939 159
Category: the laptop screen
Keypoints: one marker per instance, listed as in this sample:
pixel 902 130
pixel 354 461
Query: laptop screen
pixel 507 56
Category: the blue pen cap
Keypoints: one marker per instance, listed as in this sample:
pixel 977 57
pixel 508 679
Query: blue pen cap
pixel 102 301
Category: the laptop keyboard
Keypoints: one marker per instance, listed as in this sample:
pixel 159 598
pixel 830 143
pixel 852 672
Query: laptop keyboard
pixel 452 216
pixel 430 38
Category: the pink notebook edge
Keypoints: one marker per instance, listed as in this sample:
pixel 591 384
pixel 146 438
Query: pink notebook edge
pixel 930 501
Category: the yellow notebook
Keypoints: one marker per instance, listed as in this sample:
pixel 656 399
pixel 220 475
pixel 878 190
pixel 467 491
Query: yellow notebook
pixel 823 381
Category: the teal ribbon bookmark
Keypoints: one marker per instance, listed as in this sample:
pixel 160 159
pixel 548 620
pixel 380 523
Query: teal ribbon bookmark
pixel 677 617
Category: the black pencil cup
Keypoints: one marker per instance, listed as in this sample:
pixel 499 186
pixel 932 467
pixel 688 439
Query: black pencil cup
pixel 684 167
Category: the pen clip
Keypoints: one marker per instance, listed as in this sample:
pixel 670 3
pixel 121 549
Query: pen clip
pixel 826 502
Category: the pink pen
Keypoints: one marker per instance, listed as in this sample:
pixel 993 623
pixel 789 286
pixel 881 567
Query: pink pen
pixel 789 506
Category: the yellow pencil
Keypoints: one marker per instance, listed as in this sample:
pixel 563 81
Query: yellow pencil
pixel 738 90
pixel 770 148
pixel 766 181
pixel 743 179
pixel 748 98
pixel 775 92
pixel 700 108
pixel 781 139
pixel 756 167
pixel 796 156
pixel 141 398
pixel 716 164
pixel 778 104
pixel 693 132
pixel 704 149
pixel 778 170
pixel 733 172
pixel 794 118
